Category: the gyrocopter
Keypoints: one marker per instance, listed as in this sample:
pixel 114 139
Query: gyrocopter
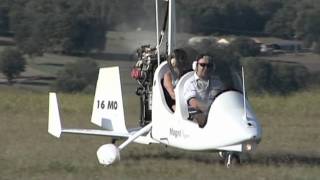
pixel 231 129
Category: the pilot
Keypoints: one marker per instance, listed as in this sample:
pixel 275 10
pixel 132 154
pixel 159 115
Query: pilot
pixel 176 64
pixel 201 88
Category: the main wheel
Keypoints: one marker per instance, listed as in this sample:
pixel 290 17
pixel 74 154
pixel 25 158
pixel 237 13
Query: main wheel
pixel 232 160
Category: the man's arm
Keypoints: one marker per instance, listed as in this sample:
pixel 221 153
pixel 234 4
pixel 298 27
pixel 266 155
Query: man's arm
pixel 194 103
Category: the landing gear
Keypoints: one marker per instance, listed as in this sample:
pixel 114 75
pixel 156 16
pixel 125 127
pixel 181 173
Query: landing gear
pixel 230 159
pixel 222 156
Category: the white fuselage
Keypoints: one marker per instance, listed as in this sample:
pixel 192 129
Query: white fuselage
pixel 227 128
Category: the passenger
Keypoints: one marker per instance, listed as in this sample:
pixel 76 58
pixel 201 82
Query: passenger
pixel 201 88
pixel 176 63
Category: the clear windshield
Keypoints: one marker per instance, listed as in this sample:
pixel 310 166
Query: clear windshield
pixel 224 80
pixel 219 81
pixel 230 79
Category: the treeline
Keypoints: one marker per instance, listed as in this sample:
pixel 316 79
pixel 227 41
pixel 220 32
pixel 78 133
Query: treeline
pixel 75 26
pixel 289 19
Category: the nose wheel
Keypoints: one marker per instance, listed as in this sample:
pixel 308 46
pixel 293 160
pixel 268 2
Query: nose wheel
pixel 230 159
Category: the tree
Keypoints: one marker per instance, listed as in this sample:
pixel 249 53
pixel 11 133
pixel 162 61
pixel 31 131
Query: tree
pixel 77 76
pixel 12 63
pixel 240 16
pixel 28 33
pixel 4 19
pixel 287 78
pixel 267 8
pixel 282 23
pixel 308 26
pixel 60 26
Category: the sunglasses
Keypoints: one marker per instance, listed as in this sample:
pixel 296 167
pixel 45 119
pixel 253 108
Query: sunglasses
pixel 204 64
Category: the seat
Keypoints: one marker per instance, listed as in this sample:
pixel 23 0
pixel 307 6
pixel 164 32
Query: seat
pixel 159 74
pixel 181 103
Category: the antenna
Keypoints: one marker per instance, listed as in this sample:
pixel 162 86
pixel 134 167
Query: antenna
pixel 244 95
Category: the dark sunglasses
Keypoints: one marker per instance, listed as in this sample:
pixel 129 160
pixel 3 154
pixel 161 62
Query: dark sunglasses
pixel 204 64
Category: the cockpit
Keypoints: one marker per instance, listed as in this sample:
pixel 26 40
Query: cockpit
pixel 152 92
pixel 219 81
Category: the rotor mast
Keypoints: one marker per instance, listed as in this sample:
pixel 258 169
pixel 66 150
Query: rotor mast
pixel 158 37
pixel 171 24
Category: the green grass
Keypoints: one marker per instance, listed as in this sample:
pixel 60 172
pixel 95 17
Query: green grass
pixel 297 116
pixel 50 64
pixel 289 148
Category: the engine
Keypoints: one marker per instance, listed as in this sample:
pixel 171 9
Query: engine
pixel 143 72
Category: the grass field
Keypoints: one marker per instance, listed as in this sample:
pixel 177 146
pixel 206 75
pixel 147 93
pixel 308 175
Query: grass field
pixel 289 148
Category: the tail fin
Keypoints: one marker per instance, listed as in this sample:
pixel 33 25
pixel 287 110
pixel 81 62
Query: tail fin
pixel 107 111
pixel 54 125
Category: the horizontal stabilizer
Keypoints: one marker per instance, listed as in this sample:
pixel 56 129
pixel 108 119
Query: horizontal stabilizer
pixel 96 132
pixel 140 135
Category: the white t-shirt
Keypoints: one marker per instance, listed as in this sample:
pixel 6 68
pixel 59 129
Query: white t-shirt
pixel 202 90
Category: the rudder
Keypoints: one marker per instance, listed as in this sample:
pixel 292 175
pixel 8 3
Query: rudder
pixel 107 111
